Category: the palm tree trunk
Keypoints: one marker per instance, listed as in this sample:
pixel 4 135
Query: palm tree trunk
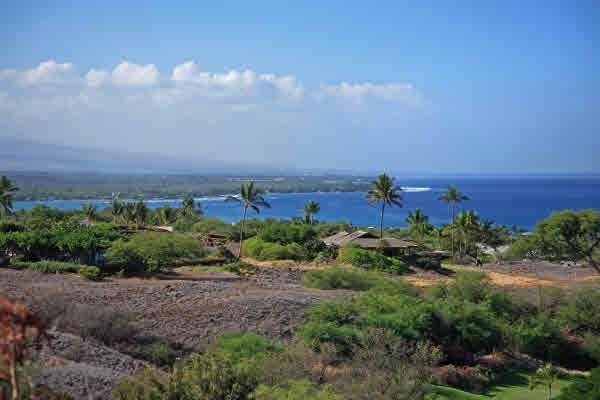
pixel 381 221
pixel 242 232
pixel 452 230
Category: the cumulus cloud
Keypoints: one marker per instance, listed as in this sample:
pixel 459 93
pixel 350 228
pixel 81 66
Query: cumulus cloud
pixel 245 82
pixel 96 77
pixel 131 74
pixel 46 72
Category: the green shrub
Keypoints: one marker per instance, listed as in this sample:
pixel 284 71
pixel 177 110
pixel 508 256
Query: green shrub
pixel 370 260
pixel 49 267
pixel 341 322
pixel 591 345
pixel 286 233
pixel 149 384
pixel 152 251
pixel 428 263
pixel 240 346
pixel 582 312
pixel 11 226
pixel 586 389
pixel 89 272
pixel 471 326
pixel 264 251
pixel 539 336
pixel 159 353
pixel 240 268
pixel 294 390
pixel 341 278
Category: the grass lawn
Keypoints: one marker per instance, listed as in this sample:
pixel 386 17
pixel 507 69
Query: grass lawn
pixel 512 386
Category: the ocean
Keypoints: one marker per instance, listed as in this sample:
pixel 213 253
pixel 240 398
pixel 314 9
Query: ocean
pixel 520 201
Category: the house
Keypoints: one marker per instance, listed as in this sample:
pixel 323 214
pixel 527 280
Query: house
pixel 366 240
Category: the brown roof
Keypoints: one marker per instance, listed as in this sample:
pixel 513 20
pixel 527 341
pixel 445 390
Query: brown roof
pixel 366 240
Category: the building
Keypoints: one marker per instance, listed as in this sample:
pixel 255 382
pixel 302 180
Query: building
pixel 366 240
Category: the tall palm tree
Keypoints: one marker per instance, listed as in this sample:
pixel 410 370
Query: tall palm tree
pixel 467 224
pixel 310 210
pixel 166 215
pixel 418 222
pixel 250 197
pixel 129 213
pixel 383 190
pixel 117 208
pixel 90 211
pixel 545 376
pixel 7 190
pixel 452 196
pixel 189 208
pixel 140 211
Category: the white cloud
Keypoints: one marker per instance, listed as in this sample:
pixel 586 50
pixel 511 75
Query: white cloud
pixel 130 74
pixel 246 82
pixel 96 77
pixel 48 72
pixel 359 93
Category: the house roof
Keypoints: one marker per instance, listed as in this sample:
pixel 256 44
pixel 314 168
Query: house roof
pixel 366 240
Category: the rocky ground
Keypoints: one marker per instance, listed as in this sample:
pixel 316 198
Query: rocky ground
pixel 189 310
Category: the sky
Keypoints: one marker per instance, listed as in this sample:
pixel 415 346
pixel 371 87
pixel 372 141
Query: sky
pixel 406 87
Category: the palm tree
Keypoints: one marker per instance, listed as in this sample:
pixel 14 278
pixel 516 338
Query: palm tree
pixel 166 215
pixel 7 190
pixel 188 207
pixel 250 197
pixel 140 212
pixel 383 190
pixel 418 222
pixel 544 376
pixel 452 196
pixel 90 211
pixel 467 223
pixel 117 208
pixel 310 209
pixel 129 213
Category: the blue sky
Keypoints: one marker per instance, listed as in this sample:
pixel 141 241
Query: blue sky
pixel 483 87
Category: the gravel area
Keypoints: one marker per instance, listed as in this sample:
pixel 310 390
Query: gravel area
pixel 189 309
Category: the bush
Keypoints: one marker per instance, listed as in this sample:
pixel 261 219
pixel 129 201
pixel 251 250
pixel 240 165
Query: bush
pixel 294 390
pixel 342 322
pixel 370 260
pixel 149 384
pixel 538 336
pixel 152 251
pixel 428 263
pixel 354 279
pixel 265 251
pixel 159 353
pixel 11 226
pixel 582 314
pixel 89 272
pixel 465 378
pixel 591 345
pixel 106 325
pixel 587 389
pixel 286 233
pixel 49 267
pixel 340 278
pixel 240 268
pixel 241 346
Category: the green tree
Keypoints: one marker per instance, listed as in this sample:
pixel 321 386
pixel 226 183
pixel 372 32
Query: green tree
pixel 310 210
pixel 90 211
pixel 383 190
pixel 467 225
pixel 452 196
pixel 140 211
pixel 565 235
pixel 250 197
pixel 545 376
pixel 418 222
pixel 166 215
pixel 117 209
pixel 189 208
pixel 7 190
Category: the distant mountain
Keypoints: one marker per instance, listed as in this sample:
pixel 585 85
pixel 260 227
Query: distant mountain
pixel 24 154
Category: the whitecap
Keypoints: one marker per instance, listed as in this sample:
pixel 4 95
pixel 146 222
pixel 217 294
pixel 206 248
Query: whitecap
pixel 411 189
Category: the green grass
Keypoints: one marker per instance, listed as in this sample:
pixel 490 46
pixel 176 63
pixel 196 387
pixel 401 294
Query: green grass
pixel 512 386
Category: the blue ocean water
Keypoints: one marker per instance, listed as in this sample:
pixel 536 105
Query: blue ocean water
pixel 520 201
